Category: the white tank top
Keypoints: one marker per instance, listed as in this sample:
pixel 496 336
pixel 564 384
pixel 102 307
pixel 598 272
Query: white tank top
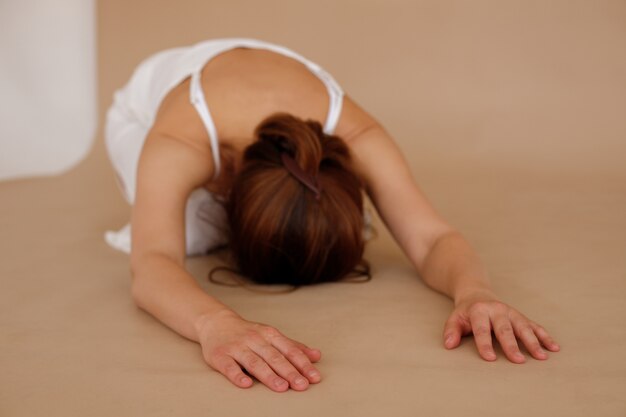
pixel 160 73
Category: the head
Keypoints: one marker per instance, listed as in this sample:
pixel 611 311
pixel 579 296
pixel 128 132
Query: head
pixel 282 232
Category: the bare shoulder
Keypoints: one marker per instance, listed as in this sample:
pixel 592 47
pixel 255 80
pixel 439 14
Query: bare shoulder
pixel 354 120
pixel 177 119
pixel 367 140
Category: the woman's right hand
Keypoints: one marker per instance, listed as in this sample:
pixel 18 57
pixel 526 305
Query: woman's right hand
pixel 230 343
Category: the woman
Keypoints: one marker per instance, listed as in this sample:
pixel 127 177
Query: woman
pixel 289 189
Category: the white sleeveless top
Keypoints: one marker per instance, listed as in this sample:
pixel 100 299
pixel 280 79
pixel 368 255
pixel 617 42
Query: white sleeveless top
pixel 157 75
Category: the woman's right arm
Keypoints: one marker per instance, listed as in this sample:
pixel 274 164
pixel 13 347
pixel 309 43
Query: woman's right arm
pixel 169 169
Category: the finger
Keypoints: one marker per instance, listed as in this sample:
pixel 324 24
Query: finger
pixel 452 331
pixel 293 351
pixel 272 333
pixel 261 370
pixel 481 328
pixel 545 338
pixel 526 334
pixel 506 336
pixel 314 355
pixel 281 365
pixel 231 370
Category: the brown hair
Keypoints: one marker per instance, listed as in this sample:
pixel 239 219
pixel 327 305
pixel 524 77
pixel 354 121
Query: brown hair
pixel 279 232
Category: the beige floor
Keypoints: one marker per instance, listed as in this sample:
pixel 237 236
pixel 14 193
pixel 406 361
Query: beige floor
pixel 512 115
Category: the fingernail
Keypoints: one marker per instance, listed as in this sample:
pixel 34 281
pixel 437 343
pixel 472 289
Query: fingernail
pixel 300 381
pixel 280 382
pixel 314 374
pixel 245 380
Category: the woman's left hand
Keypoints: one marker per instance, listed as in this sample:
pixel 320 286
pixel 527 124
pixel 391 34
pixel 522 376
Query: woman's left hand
pixel 480 314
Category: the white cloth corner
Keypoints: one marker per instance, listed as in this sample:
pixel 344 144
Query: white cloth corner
pixel 120 239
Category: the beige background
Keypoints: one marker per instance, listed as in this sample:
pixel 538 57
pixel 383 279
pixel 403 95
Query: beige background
pixel 511 114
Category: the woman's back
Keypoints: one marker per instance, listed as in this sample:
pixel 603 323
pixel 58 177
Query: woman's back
pixel 243 86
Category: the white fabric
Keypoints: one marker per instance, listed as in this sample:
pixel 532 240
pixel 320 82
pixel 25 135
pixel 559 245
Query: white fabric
pixel 199 102
pixel 134 109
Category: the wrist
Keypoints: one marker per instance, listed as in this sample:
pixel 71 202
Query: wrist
pixel 204 321
pixel 474 294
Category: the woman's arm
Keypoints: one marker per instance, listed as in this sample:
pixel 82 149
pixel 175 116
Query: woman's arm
pixel 161 286
pixel 169 170
pixel 441 255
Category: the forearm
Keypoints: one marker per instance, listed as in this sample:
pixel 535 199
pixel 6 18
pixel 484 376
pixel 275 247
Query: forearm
pixel 454 269
pixel 168 292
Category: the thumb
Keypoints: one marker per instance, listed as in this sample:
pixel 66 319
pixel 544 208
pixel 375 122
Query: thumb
pixel 452 332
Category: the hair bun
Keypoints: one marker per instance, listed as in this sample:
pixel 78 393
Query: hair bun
pixel 301 139
pixel 277 234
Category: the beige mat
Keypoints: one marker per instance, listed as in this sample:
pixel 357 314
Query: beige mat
pixel 512 116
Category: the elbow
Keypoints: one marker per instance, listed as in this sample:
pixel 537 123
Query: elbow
pixel 428 247
pixel 135 294
pixel 137 268
pixel 142 271
pixel 136 289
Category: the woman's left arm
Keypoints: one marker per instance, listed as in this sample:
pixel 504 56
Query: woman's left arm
pixel 442 257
